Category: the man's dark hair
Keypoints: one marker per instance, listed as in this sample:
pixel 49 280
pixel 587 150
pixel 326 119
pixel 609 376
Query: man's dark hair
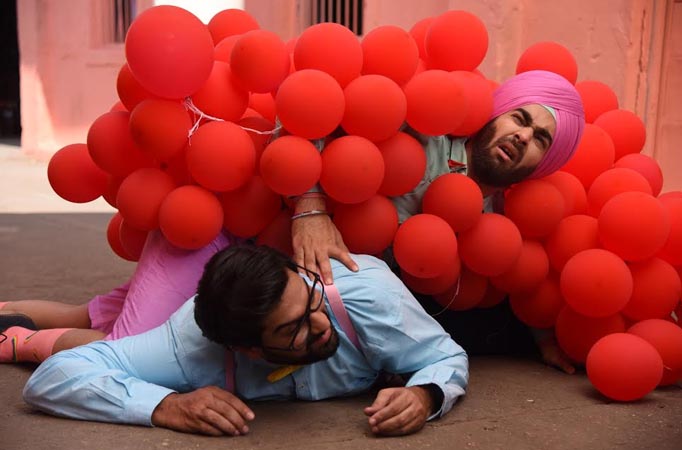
pixel 240 286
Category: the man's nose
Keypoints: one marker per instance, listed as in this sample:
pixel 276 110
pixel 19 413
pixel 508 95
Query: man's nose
pixel 319 322
pixel 524 134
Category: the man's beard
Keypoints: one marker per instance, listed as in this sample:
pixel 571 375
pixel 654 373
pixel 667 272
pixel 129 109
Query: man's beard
pixel 312 355
pixel 486 168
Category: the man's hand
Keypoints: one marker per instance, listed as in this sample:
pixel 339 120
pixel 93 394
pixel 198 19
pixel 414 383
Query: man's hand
pixel 398 411
pixel 315 239
pixel 209 410
pixel 553 356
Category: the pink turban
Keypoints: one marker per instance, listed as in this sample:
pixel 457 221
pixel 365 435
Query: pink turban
pixel 548 89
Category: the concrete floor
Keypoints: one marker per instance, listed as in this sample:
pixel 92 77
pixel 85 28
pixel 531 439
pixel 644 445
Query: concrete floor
pixel 55 250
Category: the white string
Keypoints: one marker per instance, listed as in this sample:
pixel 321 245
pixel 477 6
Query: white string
pixel 202 115
pixel 454 296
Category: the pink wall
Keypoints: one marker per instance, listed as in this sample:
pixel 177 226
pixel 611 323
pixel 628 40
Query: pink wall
pixel 68 69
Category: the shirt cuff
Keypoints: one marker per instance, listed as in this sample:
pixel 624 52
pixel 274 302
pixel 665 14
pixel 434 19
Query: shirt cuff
pixel 140 409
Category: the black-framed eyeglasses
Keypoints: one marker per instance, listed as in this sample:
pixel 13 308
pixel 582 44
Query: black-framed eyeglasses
pixel 305 318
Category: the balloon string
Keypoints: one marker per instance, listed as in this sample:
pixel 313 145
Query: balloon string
pixel 454 296
pixel 202 115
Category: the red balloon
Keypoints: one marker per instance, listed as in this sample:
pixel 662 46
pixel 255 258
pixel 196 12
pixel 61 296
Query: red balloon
pixel 539 308
pixel 278 233
pixel 423 245
pixel 331 48
pixel 491 246
pixel 527 273
pixel 666 337
pixel 455 198
pixel 221 96
pixel 436 285
pixel 290 165
pixel 466 293
pixel 633 236
pixel 140 195
pixel 169 51
pixel 160 127
pixel 626 130
pixel 611 183
pixel 249 209
pixel 176 167
pixel 646 166
pixel 111 145
pixel 260 61
pixel 573 235
pixel 656 290
pixel 624 367
pixel 74 176
pixel 596 283
pixel 111 191
pixel 418 32
pixel 572 190
pixel 535 206
pixel 672 249
pixel 129 90
pixel 223 49
pixel 597 98
pixel 132 240
pixel 375 107
pixel 221 156
pixel 118 106
pixel 594 155
pixel 190 217
pixel 576 334
pixel 352 169
pixel 390 51
pixel 479 100
pixel 436 103
pixel 259 130
pixel 492 297
pixel 404 164
pixel 549 56
pixel 456 40
pixel 231 22
pixel 367 227
pixel 264 104
pixel 310 104
pixel 114 237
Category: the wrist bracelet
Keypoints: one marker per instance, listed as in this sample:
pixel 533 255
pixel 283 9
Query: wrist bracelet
pixel 314 212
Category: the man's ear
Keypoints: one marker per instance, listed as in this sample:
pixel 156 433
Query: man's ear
pixel 251 352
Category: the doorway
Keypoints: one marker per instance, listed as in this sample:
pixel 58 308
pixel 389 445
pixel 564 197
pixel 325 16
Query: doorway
pixel 10 107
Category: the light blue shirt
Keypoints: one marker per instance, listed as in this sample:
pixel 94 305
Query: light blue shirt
pixel 124 380
pixel 440 150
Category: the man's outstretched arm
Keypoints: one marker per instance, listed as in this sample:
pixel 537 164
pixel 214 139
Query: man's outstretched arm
pixel 135 380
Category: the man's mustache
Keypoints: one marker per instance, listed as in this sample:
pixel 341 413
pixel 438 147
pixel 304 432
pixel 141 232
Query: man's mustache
pixel 515 142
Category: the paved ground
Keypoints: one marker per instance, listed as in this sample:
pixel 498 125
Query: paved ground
pixel 55 250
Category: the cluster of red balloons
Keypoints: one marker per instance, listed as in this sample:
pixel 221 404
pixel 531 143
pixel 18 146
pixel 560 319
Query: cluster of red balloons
pixel 219 125
pixel 593 250
pixel 193 146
